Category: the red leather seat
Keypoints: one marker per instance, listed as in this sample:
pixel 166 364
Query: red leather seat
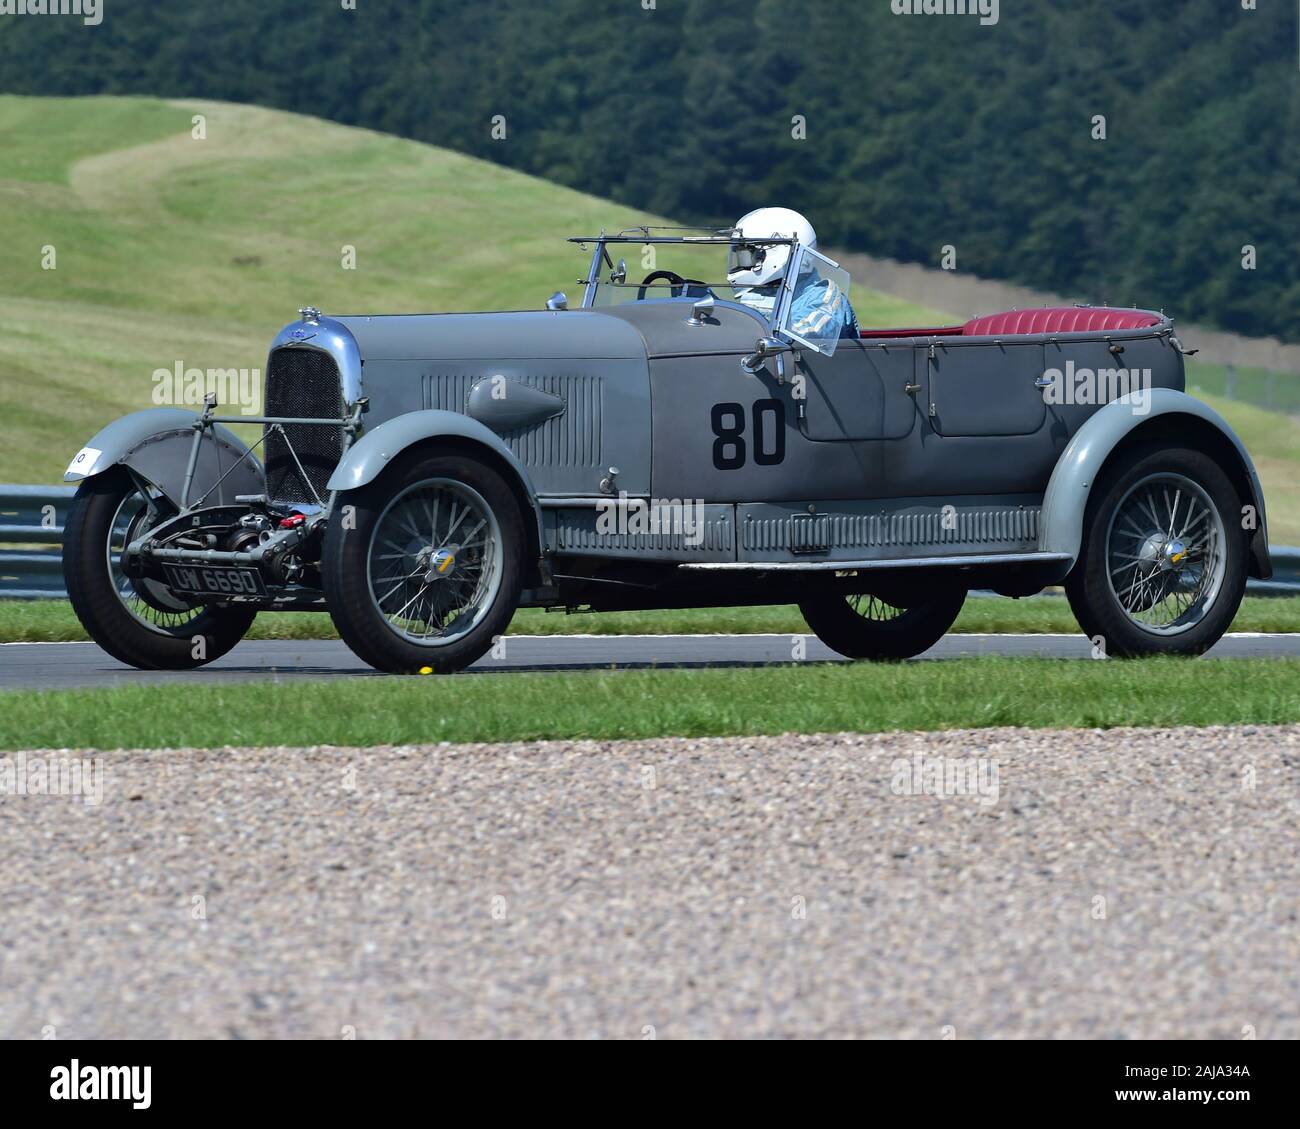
pixel 1058 319
pixel 1048 319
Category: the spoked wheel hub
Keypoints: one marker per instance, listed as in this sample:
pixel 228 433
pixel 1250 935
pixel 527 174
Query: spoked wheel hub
pixel 148 601
pixel 435 561
pixel 1165 553
pixel 428 571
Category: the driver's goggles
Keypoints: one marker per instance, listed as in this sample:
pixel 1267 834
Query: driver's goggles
pixel 746 257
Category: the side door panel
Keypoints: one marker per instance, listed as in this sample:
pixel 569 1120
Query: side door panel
pixel 860 393
pixel 987 390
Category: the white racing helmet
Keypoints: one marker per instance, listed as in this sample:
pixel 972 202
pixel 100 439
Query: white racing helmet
pixel 750 264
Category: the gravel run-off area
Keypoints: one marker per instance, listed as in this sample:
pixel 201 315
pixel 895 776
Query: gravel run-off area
pixel 1119 884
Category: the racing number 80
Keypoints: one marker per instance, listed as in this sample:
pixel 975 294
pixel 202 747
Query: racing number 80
pixel 729 448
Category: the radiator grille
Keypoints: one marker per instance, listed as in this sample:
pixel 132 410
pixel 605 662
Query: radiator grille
pixel 302 382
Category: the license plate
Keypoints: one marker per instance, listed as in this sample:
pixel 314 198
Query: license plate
pixel 214 580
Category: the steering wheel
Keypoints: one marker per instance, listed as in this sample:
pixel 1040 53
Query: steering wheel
pixel 690 287
pixel 670 276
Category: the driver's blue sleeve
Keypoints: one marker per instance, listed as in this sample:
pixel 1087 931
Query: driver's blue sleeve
pixel 818 307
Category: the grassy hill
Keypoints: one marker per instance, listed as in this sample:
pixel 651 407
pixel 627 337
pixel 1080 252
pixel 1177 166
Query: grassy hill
pixel 173 249
pixel 170 249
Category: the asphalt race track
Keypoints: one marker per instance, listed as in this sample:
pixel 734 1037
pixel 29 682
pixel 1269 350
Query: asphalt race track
pixel 53 666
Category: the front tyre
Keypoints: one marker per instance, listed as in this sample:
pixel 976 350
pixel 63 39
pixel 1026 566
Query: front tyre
pixel 422 567
pixel 1162 567
pixel 866 627
pixel 138 622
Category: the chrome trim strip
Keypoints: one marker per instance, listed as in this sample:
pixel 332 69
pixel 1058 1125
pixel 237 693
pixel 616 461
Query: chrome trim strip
pixel 556 502
pixel 899 562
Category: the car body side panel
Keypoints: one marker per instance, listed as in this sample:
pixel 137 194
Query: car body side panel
pixel 600 416
pixel 721 435
pixel 970 422
pixel 1153 358
pixel 588 367
pixel 936 463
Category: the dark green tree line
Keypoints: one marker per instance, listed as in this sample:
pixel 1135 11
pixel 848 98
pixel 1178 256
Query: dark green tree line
pixel 920 130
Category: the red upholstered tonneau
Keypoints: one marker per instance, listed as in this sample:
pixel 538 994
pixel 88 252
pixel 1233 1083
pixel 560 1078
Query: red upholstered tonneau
pixel 1049 319
pixel 1058 319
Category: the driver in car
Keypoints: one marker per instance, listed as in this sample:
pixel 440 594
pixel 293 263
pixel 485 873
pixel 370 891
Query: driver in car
pixel 755 270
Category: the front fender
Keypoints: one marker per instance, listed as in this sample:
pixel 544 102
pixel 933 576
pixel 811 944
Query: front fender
pixel 1082 460
pixel 156 444
pixel 366 459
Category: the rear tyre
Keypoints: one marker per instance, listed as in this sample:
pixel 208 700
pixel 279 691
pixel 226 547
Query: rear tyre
pixel 1162 567
pixel 422 567
pixel 866 627
pixel 138 622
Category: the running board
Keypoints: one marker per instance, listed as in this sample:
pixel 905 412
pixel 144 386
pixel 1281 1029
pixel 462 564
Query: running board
pixel 901 562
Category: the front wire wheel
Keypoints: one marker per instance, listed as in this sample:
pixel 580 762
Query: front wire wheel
pixel 435 562
pixel 422 567
pixel 139 622
pixel 868 627
pixel 148 601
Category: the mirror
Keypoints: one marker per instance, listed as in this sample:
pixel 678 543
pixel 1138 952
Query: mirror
pixel 618 275
pixel 701 310
pixel 764 349
pixel 557 301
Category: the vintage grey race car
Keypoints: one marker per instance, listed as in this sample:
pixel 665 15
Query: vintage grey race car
pixel 664 445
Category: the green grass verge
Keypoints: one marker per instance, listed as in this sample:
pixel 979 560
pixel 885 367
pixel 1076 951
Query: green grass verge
pixel 963 693
pixel 52 621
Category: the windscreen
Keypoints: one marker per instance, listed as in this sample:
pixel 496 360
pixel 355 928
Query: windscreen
pixel 647 271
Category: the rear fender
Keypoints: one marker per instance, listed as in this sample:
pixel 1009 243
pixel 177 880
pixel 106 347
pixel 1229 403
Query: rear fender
pixel 1154 410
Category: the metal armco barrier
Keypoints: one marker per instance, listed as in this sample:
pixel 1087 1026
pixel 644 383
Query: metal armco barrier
pixel 31 541
pixel 31 547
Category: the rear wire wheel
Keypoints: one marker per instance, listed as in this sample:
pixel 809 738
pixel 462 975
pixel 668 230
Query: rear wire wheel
pixel 1162 568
